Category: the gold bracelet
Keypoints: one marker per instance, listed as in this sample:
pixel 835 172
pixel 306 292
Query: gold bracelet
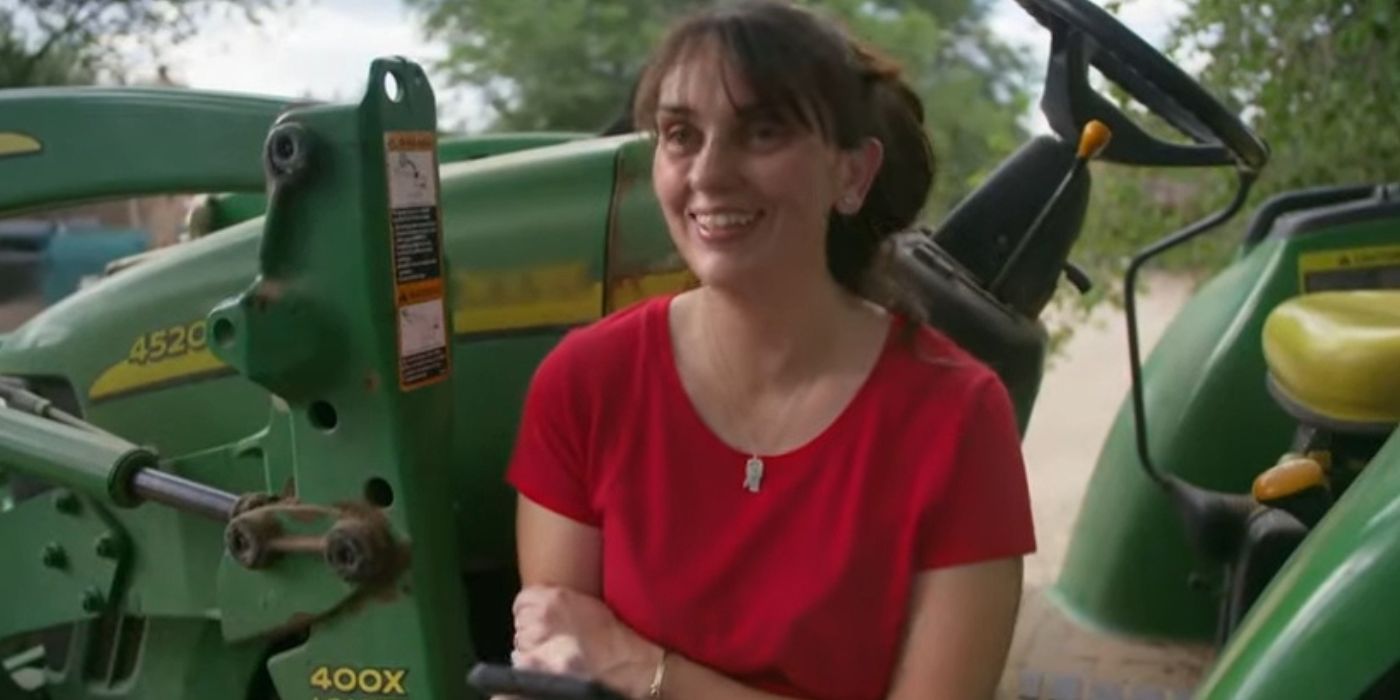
pixel 654 692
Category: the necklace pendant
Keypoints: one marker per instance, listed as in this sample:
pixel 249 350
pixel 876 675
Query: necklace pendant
pixel 753 474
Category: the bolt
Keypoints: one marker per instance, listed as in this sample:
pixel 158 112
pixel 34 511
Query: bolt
pixel 286 152
pixel 248 539
pixel 66 502
pixel 108 546
pixel 54 556
pixel 356 550
pixel 346 554
pixel 93 600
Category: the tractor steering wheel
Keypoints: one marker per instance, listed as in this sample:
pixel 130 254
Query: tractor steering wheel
pixel 1083 34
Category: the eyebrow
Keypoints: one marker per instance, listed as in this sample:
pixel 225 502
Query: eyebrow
pixel 674 109
pixel 745 113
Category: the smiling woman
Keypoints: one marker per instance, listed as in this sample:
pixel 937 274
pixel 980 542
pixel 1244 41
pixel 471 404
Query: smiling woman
pixel 780 483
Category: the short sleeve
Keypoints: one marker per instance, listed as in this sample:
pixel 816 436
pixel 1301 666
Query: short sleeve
pixel 549 465
pixel 985 512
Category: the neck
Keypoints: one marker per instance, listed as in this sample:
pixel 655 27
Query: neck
pixel 777 337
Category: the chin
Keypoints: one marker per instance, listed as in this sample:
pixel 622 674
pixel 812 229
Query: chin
pixel 730 275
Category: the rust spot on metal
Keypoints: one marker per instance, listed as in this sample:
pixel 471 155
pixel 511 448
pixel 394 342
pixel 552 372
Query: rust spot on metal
pixel 298 544
pixel 372 382
pixel 304 513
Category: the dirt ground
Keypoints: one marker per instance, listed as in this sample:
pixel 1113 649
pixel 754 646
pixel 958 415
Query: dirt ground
pixel 1052 658
pixel 1078 400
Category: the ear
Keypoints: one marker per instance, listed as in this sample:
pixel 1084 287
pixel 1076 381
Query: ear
pixel 859 166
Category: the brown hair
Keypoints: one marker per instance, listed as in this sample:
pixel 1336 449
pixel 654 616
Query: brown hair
pixel 808 71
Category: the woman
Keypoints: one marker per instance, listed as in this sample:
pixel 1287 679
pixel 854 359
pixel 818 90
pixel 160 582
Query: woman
pixel 771 486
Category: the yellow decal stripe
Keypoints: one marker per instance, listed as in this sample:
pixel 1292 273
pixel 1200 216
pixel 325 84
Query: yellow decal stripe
pixel 485 303
pixel 576 308
pixel 127 376
pixel 560 295
pixel 13 144
pixel 1345 259
pixel 628 291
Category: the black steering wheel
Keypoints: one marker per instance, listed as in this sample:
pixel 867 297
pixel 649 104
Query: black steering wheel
pixel 1083 34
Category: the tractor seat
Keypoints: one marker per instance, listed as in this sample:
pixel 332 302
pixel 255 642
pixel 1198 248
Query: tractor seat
pixel 1334 358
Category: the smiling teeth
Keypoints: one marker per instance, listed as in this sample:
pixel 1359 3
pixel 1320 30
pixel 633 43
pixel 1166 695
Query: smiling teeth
pixel 725 220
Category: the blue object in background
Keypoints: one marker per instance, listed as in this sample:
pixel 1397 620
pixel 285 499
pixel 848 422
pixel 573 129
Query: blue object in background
pixel 22 244
pixel 73 254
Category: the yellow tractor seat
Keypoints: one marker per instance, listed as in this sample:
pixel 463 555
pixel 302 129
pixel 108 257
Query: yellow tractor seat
pixel 1334 358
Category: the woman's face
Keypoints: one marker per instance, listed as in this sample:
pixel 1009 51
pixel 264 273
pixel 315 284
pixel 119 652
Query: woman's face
pixel 745 195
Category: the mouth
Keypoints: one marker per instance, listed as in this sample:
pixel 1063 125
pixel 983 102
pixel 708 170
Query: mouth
pixel 724 224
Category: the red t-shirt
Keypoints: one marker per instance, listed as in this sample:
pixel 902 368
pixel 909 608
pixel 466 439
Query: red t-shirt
pixel 801 588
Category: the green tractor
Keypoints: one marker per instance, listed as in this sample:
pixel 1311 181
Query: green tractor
pixel 268 462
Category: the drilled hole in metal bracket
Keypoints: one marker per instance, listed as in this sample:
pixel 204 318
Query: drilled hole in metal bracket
pixel 392 89
pixel 223 332
pixel 379 492
pixel 322 415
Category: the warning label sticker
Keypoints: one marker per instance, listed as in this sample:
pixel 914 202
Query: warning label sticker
pixel 1375 267
pixel 415 225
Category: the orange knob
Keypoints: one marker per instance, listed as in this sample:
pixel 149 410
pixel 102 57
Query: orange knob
pixel 1094 139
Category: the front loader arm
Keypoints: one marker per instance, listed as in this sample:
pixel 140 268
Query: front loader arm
pixel 60 145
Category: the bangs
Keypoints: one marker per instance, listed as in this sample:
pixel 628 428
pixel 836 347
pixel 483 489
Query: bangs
pixel 773 58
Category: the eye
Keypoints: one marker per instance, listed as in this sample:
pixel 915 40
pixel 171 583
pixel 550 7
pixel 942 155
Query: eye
pixel 766 133
pixel 679 137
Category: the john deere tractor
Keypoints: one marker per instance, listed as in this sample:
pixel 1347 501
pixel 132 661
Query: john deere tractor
pixel 268 462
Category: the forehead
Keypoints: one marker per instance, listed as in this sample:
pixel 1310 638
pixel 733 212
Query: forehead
pixel 704 78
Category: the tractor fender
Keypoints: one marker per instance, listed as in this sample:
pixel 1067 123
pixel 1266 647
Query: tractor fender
pixel 1336 593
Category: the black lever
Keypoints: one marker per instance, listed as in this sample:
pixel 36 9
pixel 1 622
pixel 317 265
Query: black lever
pixel 1092 141
pixel 1078 277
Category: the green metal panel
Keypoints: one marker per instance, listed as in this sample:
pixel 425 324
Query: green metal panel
pixel 328 299
pixel 483 434
pixel 1347 573
pixel 1211 421
pixel 452 149
pixel 63 559
pixel 157 658
pixel 225 210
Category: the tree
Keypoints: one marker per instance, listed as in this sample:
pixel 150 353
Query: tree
pixel 55 42
pixel 1319 79
pixel 570 64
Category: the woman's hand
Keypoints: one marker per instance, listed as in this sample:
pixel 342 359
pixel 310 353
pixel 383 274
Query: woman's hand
pixel 563 631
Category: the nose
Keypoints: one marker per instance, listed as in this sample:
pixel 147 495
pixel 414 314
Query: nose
pixel 714 167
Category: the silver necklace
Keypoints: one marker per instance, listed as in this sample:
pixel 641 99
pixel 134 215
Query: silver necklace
pixel 753 474
pixel 754 466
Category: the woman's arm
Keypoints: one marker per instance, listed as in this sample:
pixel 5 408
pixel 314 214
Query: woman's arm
pixel 563 626
pixel 556 551
pixel 960 624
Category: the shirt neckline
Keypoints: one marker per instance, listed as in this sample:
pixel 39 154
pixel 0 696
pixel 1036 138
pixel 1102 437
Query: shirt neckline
pixel 661 322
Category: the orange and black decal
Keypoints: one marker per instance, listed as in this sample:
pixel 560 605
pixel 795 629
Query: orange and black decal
pixel 415 233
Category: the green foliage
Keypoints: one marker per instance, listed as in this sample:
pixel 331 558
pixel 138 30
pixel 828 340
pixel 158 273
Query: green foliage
pixel 570 64
pixel 1320 79
pixel 62 42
